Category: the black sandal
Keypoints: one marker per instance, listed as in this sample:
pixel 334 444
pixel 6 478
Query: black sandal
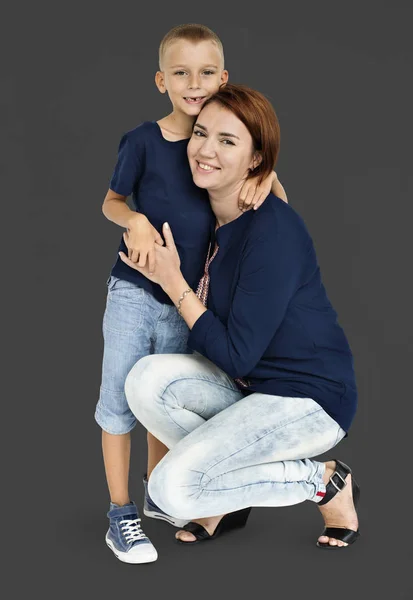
pixel 336 484
pixel 230 521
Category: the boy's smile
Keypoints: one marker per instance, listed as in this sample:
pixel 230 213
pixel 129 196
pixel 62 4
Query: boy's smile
pixel 195 100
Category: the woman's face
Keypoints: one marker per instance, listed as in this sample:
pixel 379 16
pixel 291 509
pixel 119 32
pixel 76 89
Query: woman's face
pixel 220 151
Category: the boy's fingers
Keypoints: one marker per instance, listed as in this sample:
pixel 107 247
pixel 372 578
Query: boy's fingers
pixel 259 201
pixel 134 255
pixel 249 200
pixel 142 259
pixel 126 260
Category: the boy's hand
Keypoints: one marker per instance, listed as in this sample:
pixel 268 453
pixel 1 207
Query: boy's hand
pixel 140 240
pixel 167 260
pixel 253 195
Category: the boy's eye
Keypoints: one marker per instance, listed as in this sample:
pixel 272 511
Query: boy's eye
pixel 179 72
pixel 209 72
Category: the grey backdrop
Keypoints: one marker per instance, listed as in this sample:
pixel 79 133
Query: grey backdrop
pixel 74 78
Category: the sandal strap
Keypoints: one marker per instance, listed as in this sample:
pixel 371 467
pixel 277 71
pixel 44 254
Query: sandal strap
pixel 344 535
pixel 197 530
pixel 337 482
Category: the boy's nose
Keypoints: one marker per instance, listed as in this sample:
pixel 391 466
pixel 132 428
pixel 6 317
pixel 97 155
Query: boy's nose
pixel 194 83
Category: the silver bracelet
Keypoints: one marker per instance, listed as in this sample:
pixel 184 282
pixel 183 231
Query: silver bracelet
pixel 181 299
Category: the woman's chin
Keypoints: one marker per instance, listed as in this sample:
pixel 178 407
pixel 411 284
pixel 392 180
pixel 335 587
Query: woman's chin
pixel 200 181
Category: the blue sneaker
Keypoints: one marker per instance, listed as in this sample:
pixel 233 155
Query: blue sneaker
pixel 125 537
pixel 154 512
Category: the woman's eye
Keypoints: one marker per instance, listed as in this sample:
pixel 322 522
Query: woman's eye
pixel 228 143
pixel 199 133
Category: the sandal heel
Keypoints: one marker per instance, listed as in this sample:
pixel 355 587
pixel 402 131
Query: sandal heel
pixel 236 519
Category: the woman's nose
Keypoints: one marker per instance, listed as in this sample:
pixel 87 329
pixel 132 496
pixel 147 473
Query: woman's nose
pixel 208 148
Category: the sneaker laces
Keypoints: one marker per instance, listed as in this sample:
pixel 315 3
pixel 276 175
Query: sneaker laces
pixel 132 530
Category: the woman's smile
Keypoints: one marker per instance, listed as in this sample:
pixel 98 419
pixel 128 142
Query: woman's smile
pixel 204 167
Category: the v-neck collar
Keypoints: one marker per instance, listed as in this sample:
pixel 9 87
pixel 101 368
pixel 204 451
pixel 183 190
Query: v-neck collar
pixel 227 234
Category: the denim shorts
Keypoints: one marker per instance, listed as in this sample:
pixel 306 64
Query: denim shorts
pixel 134 325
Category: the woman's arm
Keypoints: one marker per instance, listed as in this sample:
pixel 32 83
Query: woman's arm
pixel 271 272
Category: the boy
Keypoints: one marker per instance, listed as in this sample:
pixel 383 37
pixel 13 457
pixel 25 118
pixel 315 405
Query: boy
pixel 139 317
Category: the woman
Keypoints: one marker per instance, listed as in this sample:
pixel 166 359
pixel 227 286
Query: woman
pixel 271 383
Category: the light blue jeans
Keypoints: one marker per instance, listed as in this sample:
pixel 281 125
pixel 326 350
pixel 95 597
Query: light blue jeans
pixel 227 451
pixel 135 324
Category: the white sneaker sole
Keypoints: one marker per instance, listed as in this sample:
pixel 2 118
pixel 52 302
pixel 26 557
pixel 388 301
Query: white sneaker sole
pixel 179 523
pixel 150 554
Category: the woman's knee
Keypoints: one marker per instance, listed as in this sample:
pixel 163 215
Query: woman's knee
pixel 175 488
pixel 141 387
pixel 148 380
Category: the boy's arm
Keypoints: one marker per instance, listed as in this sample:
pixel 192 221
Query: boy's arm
pixel 277 189
pixel 253 194
pixel 115 209
pixel 142 235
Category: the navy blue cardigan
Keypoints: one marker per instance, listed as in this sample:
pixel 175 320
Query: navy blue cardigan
pixel 269 320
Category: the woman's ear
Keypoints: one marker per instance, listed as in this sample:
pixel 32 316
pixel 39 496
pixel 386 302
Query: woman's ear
pixel 256 161
pixel 160 82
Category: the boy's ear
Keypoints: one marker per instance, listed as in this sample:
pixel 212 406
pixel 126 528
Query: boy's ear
pixel 224 77
pixel 160 82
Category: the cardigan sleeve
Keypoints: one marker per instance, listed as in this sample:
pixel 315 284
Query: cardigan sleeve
pixel 270 273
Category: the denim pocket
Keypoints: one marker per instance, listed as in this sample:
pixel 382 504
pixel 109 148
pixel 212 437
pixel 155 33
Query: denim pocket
pixel 125 307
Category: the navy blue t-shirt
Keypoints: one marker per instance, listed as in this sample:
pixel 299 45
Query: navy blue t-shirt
pixel 156 173
pixel 269 319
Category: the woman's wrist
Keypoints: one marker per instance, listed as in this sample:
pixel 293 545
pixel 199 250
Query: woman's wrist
pixel 175 286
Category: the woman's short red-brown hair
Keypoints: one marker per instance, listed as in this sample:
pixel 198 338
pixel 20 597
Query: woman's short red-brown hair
pixel 258 115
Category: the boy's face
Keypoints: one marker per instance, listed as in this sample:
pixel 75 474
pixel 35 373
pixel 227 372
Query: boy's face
pixel 191 74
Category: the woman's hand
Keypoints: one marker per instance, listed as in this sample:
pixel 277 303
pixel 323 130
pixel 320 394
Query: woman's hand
pixel 253 195
pixel 141 240
pixel 166 265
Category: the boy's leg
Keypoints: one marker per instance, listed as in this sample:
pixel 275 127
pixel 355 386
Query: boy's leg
pixel 127 330
pixel 156 452
pixel 116 457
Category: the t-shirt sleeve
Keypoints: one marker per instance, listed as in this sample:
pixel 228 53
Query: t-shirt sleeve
pixel 270 274
pixel 128 168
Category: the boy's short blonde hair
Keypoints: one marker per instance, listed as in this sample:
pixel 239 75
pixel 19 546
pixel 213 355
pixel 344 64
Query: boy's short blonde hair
pixel 193 32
